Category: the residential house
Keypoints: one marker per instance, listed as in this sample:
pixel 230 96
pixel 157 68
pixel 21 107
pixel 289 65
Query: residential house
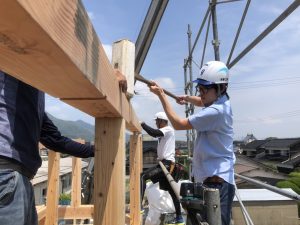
pixel 40 180
pixel 253 148
pixel 249 138
pixel 252 168
pixel 283 148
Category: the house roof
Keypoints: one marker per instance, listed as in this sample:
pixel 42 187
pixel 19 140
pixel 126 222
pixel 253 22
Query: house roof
pixel 249 137
pixel 263 195
pixel 281 143
pixel 150 145
pixel 254 144
pixel 65 168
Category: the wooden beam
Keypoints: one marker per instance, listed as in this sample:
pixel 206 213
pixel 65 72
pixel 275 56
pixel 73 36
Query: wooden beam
pixel 41 211
pixel 78 212
pixel 135 171
pixel 53 188
pixel 109 179
pixel 52 45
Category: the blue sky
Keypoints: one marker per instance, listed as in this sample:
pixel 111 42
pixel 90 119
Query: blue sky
pixel 264 85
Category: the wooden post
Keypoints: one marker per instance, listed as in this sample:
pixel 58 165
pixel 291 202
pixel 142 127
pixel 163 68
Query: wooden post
pixel 53 188
pixel 76 180
pixel 76 184
pixel 135 171
pixel 123 53
pixel 109 179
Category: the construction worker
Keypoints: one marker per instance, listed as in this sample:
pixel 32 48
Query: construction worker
pixel 23 123
pixel 213 157
pixel 165 154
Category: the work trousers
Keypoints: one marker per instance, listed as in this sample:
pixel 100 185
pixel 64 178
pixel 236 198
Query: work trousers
pixel 227 192
pixel 155 174
pixel 17 204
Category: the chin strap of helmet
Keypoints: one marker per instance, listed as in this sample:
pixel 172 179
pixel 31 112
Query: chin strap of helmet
pixel 221 89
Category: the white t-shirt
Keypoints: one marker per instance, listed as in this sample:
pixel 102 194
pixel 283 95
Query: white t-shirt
pixel 166 144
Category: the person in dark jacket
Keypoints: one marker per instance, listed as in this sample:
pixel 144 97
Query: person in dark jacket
pixel 23 124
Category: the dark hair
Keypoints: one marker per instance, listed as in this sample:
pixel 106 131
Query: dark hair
pixel 221 89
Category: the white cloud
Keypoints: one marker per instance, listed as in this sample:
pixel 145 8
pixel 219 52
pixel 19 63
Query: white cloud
pixel 91 15
pixel 108 50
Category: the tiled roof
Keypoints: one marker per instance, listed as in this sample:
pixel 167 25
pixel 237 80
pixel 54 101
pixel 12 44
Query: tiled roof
pixel 254 144
pixel 281 143
pixel 150 145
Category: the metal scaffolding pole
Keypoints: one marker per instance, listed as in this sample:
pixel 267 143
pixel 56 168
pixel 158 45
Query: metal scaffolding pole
pixel 215 42
pixel 205 42
pixel 296 197
pixel 271 27
pixel 147 32
pixel 199 32
pixel 190 60
pixel 238 31
pixel 188 132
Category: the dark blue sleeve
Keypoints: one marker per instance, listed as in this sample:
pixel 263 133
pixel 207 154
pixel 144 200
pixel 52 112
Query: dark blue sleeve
pixel 52 139
pixel 151 131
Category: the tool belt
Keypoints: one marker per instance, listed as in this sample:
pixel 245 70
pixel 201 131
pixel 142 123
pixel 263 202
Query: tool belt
pixel 213 180
pixel 175 169
pixel 172 167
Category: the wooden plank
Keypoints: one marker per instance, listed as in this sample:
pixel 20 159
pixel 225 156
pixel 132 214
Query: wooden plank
pixel 52 45
pixel 53 188
pixel 41 212
pixel 76 182
pixel 100 108
pixel 79 212
pixel 135 171
pixel 109 179
pixel 42 221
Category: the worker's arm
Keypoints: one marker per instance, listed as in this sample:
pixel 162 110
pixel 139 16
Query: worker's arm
pixel 51 138
pixel 177 122
pixel 195 100
pixel 152 132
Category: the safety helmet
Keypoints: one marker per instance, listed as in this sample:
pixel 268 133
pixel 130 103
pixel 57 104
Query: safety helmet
pixel 213 72
pixel 161 115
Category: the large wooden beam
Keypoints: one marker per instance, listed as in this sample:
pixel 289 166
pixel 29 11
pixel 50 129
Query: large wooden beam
pixel 52 45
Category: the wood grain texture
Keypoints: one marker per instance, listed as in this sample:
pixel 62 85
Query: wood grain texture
pixel 53 188
pixel 76 182
pixel 109 179
pixel 135 171
pixel 52 45
pixel 79 212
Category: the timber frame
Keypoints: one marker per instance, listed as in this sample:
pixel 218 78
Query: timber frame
pixel 52 45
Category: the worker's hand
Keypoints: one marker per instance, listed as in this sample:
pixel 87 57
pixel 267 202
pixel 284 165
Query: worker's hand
pixel 181 100
pixel 122 80
pixel 155 88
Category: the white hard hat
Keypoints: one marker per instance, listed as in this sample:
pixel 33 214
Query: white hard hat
pixel 161 115
pixel 213 72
